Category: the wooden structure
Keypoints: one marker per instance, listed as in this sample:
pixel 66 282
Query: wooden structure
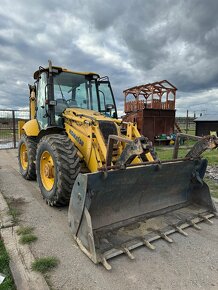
pixel 152 107
pixel 206 124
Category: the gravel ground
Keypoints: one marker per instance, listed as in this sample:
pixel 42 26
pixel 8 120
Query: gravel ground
pixel 212 172
pixel 189 263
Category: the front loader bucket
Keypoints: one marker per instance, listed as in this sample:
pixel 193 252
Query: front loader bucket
pixel 113 212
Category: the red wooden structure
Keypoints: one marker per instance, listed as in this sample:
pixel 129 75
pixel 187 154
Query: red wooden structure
pixel 152 107
pixel 158 95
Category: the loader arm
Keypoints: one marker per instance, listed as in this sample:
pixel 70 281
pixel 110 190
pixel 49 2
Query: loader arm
pixel 208 142
pixel 202 144
pixel 132 151
pixel 100 141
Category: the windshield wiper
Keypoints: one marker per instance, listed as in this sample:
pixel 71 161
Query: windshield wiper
pixel 60 90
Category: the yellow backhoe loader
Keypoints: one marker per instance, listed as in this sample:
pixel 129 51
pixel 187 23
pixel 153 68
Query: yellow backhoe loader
pixel 121 195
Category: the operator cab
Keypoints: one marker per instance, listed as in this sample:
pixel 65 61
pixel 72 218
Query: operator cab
pixel 84 91
pixel 66 89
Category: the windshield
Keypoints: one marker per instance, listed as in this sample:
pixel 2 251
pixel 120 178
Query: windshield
pixel 82 91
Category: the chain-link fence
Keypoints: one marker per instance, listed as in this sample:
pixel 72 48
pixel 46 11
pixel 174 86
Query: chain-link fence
pixel 9 127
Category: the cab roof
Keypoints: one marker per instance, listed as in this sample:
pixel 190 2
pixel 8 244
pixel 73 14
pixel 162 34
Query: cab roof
pixel 36 73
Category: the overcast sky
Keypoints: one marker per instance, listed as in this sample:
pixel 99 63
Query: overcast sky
pixel 131 41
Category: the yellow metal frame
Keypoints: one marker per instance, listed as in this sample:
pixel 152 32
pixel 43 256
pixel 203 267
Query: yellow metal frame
pixel 36 73
pixel 32 105
pixel 31 128
pixel 82 127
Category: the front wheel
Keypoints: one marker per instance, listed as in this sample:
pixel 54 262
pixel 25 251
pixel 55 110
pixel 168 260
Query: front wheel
pixel 57 166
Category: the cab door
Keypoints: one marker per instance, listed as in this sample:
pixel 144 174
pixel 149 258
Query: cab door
pixel 41 113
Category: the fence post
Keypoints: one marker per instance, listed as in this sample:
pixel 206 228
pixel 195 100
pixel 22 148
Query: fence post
pixel 14 128
pixel 187 123
pixel 176 146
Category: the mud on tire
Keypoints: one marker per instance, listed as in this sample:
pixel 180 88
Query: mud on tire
pixel 66 167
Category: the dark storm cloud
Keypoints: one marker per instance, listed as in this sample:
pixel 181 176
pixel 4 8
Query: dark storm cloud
pixel 132 41
pixel 174 39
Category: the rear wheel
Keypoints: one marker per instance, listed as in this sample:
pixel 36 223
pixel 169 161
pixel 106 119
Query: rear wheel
pixel 27 157
pixel 57 166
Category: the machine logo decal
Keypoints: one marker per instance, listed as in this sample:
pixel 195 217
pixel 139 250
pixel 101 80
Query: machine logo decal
pixel 77 138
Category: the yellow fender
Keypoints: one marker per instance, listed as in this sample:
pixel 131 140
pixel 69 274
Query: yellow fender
pixel 31 128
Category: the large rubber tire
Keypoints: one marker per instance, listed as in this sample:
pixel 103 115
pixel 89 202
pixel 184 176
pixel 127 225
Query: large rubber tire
pixel 66 167
pixel 29 170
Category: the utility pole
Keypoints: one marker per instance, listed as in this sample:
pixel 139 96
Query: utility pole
pixel 186 123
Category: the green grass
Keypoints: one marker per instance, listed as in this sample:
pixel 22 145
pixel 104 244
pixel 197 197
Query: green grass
pixel 45 264
pixel 26 234
pixel 8 283
pixel 15 213
pixel 14 207
pixel 211 156
pixel 6 133
pixel 166 153
pixel 27 239
pixel 25 230
pixel 213 185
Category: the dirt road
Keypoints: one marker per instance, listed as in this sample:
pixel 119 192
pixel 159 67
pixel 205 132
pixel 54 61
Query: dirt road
pixel 189 263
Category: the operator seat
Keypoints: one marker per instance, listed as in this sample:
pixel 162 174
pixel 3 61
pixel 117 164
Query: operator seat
pixel 61 105
pixel 73 103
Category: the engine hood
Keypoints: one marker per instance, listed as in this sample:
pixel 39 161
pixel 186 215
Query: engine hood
pixel 88 115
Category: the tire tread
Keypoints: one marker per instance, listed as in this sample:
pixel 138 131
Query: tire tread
pixel 68 164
